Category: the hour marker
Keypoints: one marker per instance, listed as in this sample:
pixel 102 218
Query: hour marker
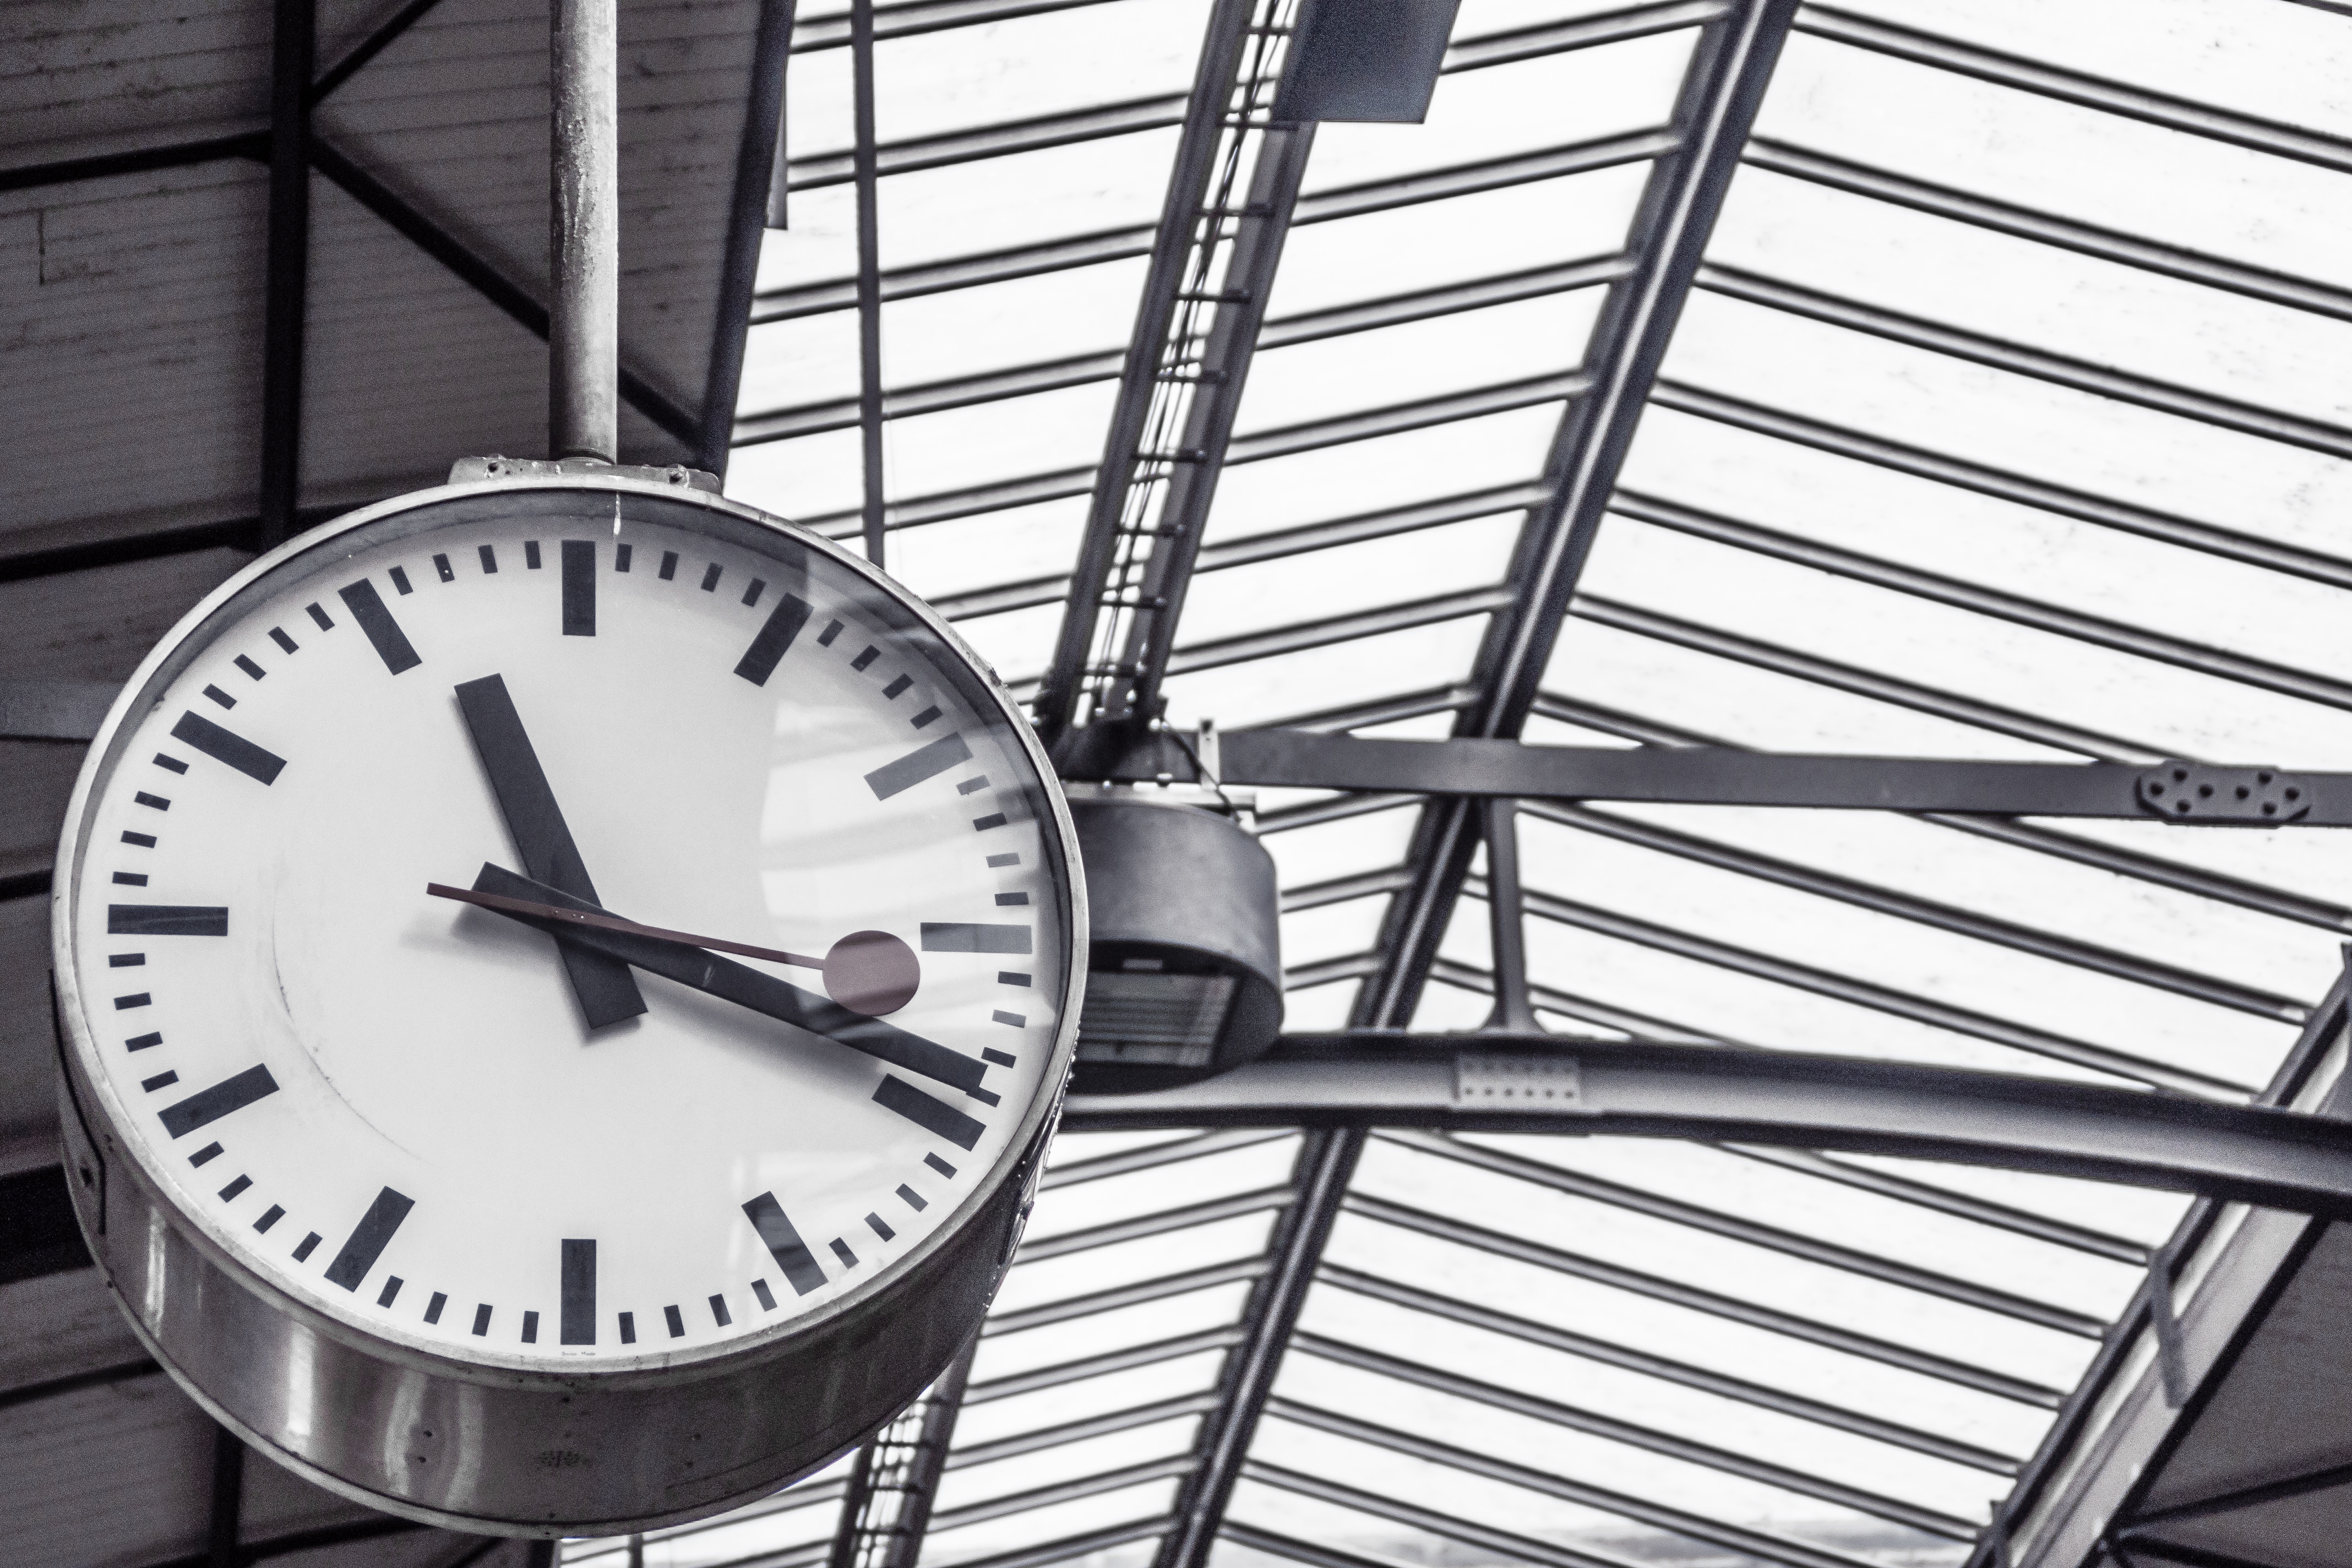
pixel 227 747
pixel 912 769
pixel 144 840
pixel 250 668
pixel 1009 900
pixel 369 1238
pixel 218 694
pixel 669 564
pixel 578 1326
pixel 1015 1019
pixel 170 764
pixel 895 687
pixel 141 1042
pixel 391 1289
pixel 1010 977
pixel 913 1199
pixel 1000 1059
pixel 489 558
pixel 767 1297
pixel 841 1250
pixel 951 936
pixel 972 786
pixel 325 622
pixel 621 553
pixel 1004 859
pixel 481 1318
pixel 628 1320
pixel 924 719
pixel 285 644
pixel 578 597
pixel 137 999
pixel 832 630
pixel 384 633
pixel 873 1221
pixel 751 594
pixel 934 1116
pixel 783 1244
pixel 228 1193
pixel 865 658
pixel 227 1096
pixel 442 569
pixel 530 554
pixel 310 1244
pixel 399 575
pixel 161 1080
pixel 165 920
pixel 156 801
pixel 676 1323
pixel 982 824
pixel 718 1311
pixel 130 879
pixel 274 1215
pixel 125 960
pixel 209 1152
pixel 433 1308
pixel 941 1166
pixel 710 578
pixel 775 637
pixel 530 1328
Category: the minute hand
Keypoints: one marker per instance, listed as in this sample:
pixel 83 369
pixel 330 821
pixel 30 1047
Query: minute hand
pixel 743 985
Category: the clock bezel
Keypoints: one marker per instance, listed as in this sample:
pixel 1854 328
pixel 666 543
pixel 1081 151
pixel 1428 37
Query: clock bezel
pixel 1021 1158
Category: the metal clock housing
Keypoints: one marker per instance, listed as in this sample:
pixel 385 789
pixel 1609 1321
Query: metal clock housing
pixel 498 1197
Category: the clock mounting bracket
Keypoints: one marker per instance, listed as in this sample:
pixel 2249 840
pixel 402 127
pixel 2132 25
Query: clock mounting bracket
pixel 477 470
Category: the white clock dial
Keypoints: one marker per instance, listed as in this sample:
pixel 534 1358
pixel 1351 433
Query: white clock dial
pixel 423 1118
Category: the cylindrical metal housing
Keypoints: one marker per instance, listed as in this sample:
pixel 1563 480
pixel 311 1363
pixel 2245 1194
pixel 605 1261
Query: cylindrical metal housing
pixel 583 329
pixel 1184 977
pixel 502 1449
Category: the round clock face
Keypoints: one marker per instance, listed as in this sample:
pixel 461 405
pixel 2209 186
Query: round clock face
pixel 815 918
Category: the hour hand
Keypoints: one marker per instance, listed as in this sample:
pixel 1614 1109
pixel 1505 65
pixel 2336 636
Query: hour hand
pixel 607 991
pixel 741 984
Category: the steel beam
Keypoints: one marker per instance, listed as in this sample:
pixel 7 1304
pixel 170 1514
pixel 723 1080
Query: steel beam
pixel 1218 377
pixel 1355 1080
pixel 1724 87
pixel 2078 87
pixel 2020 359
pixel 1698 775
pixel 1224 48
pixel 386 33
pixel 2049 229
pixel 285 291
pixel 1327 1162
pixel 887 1506
pixel 756 156
pixel 866 171
pixel 517 301
pixel 254 145
pixel 2081 506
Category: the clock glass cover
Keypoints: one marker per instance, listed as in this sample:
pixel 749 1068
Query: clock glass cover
pixel 319 867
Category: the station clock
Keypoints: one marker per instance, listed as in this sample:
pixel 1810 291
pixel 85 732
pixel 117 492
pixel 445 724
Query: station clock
pixel 565 987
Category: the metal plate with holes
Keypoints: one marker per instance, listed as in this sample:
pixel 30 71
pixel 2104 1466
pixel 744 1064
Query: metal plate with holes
pixel 2192 792
pixel 1517 1082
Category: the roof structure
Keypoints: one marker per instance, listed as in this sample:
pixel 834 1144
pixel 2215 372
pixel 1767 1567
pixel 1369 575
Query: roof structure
pixel 1702 383
pixel 1936 379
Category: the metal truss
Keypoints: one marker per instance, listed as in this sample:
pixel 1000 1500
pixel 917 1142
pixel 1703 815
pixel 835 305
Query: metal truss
pixel 1721 94
pixel 887 1506
pixel 2276 1159
pixel 291 149
pixel 2048 1468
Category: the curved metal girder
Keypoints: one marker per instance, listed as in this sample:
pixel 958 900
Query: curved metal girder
pixel 2276 1159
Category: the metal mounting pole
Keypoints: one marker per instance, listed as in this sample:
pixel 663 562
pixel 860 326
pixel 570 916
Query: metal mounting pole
pixel 583 337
